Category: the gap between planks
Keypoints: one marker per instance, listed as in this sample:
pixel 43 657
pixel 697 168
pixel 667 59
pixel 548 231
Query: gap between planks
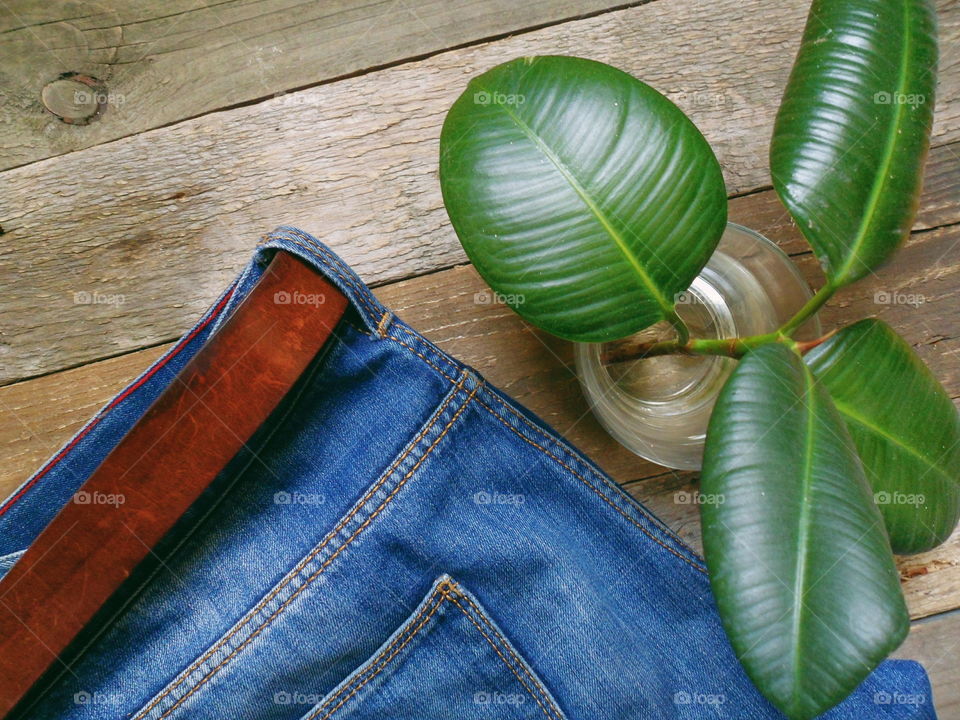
pixel 163 218
pixel 536 369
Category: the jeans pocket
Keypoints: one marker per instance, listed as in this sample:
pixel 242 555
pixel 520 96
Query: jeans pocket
pixel 447 660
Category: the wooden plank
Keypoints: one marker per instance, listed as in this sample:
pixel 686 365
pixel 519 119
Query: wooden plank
pixel 451 308
pixel 162 61
pixel 935 643
pixel 165 217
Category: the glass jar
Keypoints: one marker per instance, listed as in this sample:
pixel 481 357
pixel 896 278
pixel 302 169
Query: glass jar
pixel 658 407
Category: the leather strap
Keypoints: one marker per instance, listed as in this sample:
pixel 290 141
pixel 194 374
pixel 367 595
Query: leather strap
pixel 160 467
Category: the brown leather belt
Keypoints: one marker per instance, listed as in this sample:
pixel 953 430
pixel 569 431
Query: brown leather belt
pixel 160 467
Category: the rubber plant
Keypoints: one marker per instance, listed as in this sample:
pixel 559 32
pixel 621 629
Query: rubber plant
pixel 588 194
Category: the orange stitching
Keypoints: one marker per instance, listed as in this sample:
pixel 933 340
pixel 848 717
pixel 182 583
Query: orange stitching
pixel 313 553
pixel 543 434
pixel 381 326
pixel 419 337
pixel 362 294
pixel 589 485
pixel 311 249
pixel 505 661
pixel 451 592
pixel 505 644
pixel 316 249
pixel 444 593
pixel 326 563
pixel 422 357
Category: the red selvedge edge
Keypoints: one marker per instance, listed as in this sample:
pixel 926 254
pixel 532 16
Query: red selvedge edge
pixel 116 401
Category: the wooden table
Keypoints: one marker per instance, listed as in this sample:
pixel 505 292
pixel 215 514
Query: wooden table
pixel 219 121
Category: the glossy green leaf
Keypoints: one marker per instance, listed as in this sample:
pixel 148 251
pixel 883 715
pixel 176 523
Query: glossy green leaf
pixel 853 129
pixel 581 194
pixel 905 427
pixel 799 560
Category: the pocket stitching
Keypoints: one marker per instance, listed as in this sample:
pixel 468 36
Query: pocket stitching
pixel 379 663
pixel 309 580
pixel 448 590
pixel 503 641
pixel 556 712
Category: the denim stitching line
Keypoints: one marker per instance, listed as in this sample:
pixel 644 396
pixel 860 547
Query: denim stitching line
pixel 324 256
pixel 384 323
pixel 583 479
pixel 363 294
pixel 411 349
pixel 506 646
pixel 420 355
pixel 439 353
pixel 378 664
pixel 603 479
pixel 291 576
pixel 300 241
pixel 303 240
pixel 592 487
pixel 326 563
pixel 496 649
pixel 447 591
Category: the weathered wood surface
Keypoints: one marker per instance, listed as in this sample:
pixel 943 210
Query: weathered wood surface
pixel 935 643
pixel 162 61
pixel 163 219
pixel 538 370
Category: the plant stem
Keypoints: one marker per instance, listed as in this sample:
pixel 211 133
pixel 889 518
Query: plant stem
pixel 726 347
pixel 683 332
pixel 809 310
pixel 730 347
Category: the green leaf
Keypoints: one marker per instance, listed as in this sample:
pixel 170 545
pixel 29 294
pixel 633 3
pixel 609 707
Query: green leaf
pixel 904 425
pixel 799 560
pixel 853 129
pixel 581 193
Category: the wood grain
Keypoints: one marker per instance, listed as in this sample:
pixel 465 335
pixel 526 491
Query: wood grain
pixel 161 220
pixel 451 308
pixel 935 643
pixel 162 61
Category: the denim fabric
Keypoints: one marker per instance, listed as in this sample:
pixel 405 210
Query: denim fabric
pixel 400 540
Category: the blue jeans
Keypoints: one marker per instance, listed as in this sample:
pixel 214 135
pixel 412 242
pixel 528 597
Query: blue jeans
pixel 399 541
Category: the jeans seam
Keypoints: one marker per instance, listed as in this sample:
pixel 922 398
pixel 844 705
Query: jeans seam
pixel 556 714
pixel 379 663
pixel 603 496
pixel 306 242
pixel 292 575
pixel 450 591
pixel 363 295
